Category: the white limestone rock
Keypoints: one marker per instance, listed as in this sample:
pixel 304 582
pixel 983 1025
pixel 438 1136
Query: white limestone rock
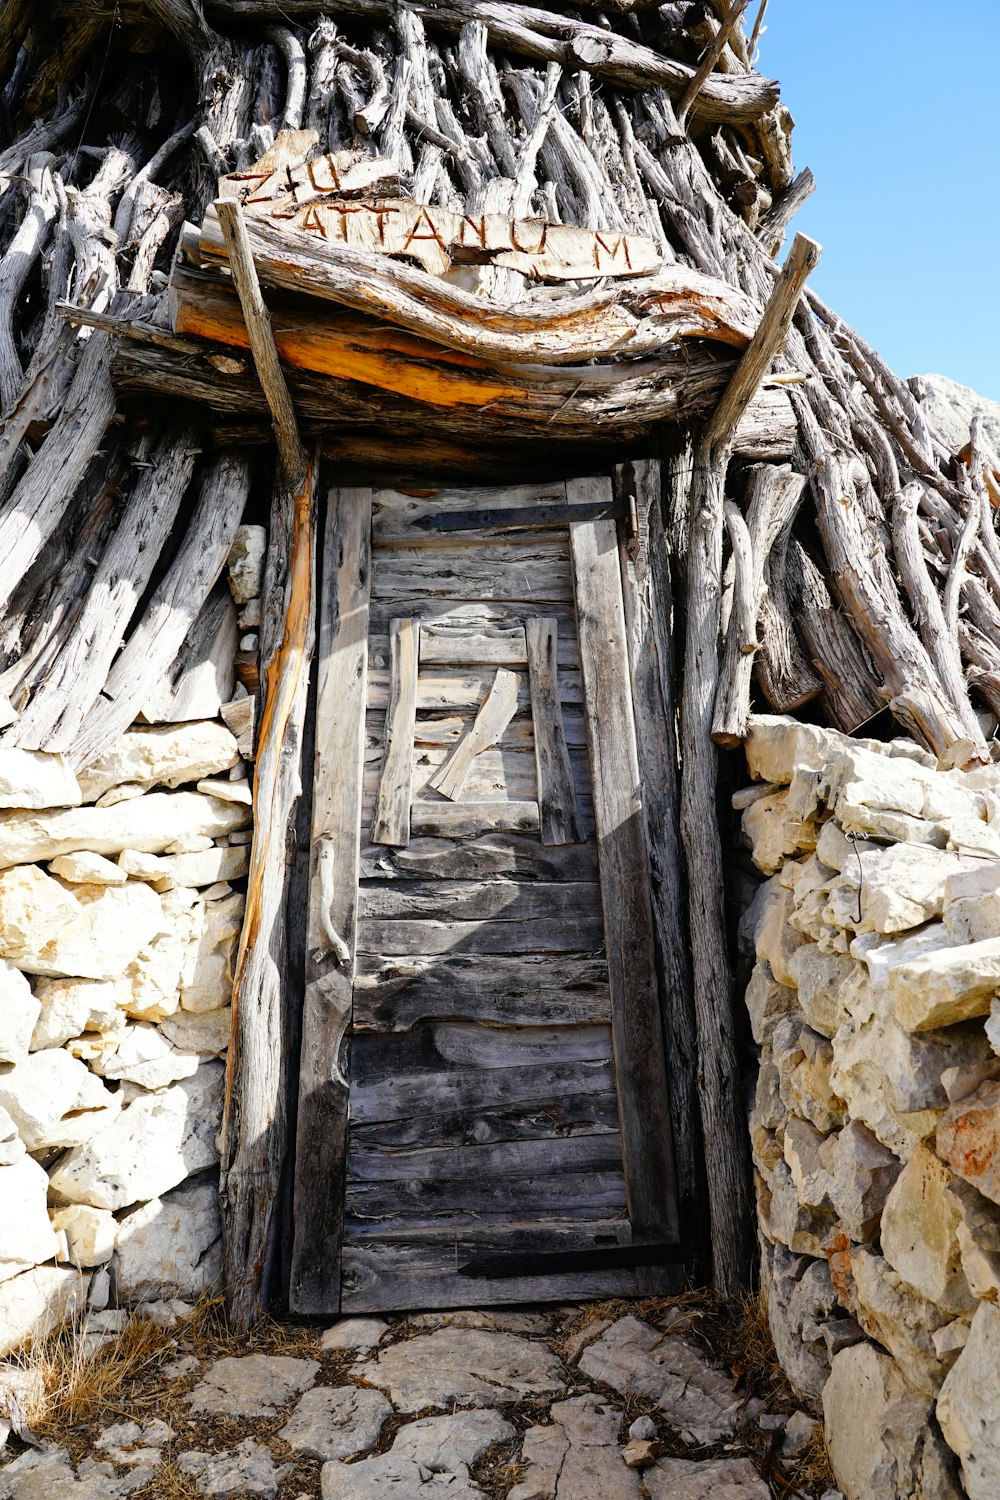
pixel 256 1385
pixel 26 1236
pixel 165 755
pixel 802 1150
pixel 205 1032
pixel 146 1057
pixel 332 1422
pixel 944 987
pixel 203 867
pixel 879 1433
pixel 35 778
pixel 972 904
pixel 87 869
pixel 245 563
pixel 882 958
pixel 146 823
pixel 767 1002
pixel 861 1174
pixel 801 1303
pixel 899 1318
pixel 919 1233
pixel 821 980
pixel 55 1101
pixel 776 832
pixel 156 974
pixel 858 1074
pixel 84 931
pixel 208 982
pixel 968 1139
pixel 38 1301
pixel 775 746
pixel 768 920
pixel 463 1364
pixel 70 1007
pixel 227 791
pixel 978 1233
pixel 12 1147
pixel 170 1247
pixel 805 1062
pixel 900 887
pixel 19 1011
pixel 950 407
pixel 805 1230
pixel 87 1234
pixel 968 1407
pixel 632 1357
pixel 155 1143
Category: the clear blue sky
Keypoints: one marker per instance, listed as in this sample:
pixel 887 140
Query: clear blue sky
pixel 897 112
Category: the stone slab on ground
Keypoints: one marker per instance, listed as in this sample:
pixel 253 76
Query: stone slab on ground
pixel 463 1364
pixel 256 1385
pixel 247 1470
pixel 634 1358
pixel 718 1479
pixel 336 1422
pixel 354 1333
pixel 577 1456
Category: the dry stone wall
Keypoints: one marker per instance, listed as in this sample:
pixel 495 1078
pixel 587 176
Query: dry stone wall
pixel 875 1005
pixel 121 903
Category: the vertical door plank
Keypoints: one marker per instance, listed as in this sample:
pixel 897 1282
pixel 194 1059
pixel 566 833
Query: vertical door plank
pixel 337 793
pixel 557 810
pixel 647 589
pixel 392 811
pixel 624 873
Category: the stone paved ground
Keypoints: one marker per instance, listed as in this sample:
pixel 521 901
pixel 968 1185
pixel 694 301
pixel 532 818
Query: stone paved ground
pixel 577 1403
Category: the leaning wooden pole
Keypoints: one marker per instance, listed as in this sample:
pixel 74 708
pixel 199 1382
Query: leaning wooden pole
pixel 255 1127
pixel 720 1097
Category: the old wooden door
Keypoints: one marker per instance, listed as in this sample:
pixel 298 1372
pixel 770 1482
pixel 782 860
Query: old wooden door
pixel 483 1113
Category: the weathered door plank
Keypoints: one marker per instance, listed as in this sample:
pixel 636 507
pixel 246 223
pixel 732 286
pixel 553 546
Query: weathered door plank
pixel 396 937
pixel 464 819
pixel 500 854
pixel 624 868
pixel 479 901
pixel 337 790
pixel 391 824
pixel 498 708
pixel 589 1114
pixel 559 818
pixel 393 995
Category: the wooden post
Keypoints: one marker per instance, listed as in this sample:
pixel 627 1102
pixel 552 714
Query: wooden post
pixel 723 1122
pixel 254 1120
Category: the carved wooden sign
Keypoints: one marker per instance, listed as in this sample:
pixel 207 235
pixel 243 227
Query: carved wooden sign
pixel 352 199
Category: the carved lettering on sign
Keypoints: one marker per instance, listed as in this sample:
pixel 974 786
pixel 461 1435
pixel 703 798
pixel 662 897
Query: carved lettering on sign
pixel 351 199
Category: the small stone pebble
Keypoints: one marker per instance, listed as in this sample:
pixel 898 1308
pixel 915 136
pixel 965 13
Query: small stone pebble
pixel 643 1430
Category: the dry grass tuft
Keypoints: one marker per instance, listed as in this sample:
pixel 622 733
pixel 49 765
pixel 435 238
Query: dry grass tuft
pixel 79 1383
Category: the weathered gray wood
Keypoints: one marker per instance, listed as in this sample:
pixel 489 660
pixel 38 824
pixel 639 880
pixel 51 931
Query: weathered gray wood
pixel 392 813
pixel 401 1092
pixel 422 1204
pixel 442 619
pixel 393 995
pixel 155 643
pixel 649 607
pixel 399 936
pixel 475 1162
pixel 624 866
pixel 441 688
pixel 476 571
pixel 477 859
pixel 476 901
pixel 255 1114
pixel 407 1269
pixel 201 677
pixel 469 819
pixel 558 814
pixel 60 703
pixel 323 1087
pixel 498 708
pixel 590 1114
